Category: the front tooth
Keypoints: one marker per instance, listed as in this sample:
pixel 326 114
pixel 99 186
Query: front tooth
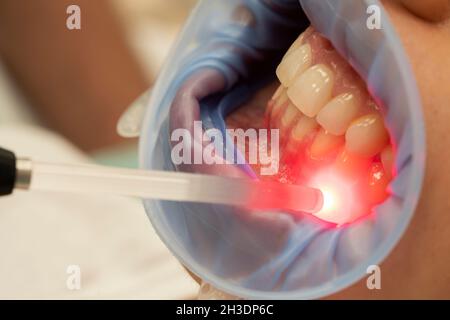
pixel 325 144
pixel 293 64
pixel 312 89
pixel 305 125
pixel 337 114
pixel 289 116
pixel 367 135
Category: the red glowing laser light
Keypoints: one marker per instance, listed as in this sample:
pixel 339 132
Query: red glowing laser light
pixel 340 205
pixel 330 200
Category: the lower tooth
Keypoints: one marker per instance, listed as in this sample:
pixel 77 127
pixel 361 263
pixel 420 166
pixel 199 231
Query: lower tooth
pixel 269 107
pixel 387 159
pixel 367 135
pixel 281 100
pixel 303 127
pixel 289 116
pixel 325 144
pixel 350 165
pixel 278 92
pixel 278 103
pixel 377 183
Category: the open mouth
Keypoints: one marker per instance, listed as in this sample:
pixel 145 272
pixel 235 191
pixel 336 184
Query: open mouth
pixel 332 136
pixel 332 132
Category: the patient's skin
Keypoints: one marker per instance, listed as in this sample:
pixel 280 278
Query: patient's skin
pixel 79 82
pixel 419 265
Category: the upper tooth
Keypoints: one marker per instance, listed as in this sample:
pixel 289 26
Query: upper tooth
pixel 337 114
pixel 304 126
pixel 325 144
pixel 312 89
pixel 367 135
pixel 297 43
pixel 294 63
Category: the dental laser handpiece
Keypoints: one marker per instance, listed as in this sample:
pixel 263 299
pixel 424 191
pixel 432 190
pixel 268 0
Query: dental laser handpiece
pixel 26 174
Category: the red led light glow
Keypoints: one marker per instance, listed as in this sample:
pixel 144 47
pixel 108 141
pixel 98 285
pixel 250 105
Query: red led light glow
pixel 341 203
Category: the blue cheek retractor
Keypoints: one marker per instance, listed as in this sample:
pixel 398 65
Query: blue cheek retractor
pixel 270 255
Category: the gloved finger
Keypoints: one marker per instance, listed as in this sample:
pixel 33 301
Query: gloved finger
pixel 130 122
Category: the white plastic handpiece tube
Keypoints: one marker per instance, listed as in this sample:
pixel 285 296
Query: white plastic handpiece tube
pixel 175 186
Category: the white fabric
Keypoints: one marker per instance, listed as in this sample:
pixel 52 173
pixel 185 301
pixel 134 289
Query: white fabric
pixel 110 239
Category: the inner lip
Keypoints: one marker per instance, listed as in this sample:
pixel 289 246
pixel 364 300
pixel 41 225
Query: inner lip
pixel 365 169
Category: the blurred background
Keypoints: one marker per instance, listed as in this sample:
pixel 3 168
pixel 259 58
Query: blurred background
pixel 61 94
pixel 75 82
